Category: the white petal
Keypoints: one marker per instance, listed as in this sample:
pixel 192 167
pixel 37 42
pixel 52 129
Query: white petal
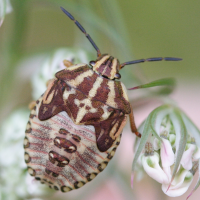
pixel 186 160
pixel 156 144
pixel 167 154
pixel 153 169
pixel 168 172
pixel 180 184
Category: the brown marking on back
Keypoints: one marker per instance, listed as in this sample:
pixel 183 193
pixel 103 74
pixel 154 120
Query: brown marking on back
pixel 61 160
pixel 87 84
pixel 53 104
pixel 71 73
pixel 66 144
pixel 64 131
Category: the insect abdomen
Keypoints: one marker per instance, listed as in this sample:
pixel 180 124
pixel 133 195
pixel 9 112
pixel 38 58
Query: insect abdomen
pixel 62 154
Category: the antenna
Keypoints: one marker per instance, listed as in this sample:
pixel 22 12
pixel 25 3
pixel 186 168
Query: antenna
pixel 83 30
pixel 149 60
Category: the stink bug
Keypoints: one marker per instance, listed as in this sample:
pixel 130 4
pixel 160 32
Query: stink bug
pixel 75 126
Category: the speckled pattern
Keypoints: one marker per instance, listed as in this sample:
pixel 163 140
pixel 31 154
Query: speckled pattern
pixel 62 154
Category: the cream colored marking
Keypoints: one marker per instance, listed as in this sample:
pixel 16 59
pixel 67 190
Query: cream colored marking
pixel 114 68
pixel 106 113
pixel 111 95
pixel 65 162
pixel 54 108
pixel 118 139
pixel 105 68
pixel 121 127
pixel 112 153
pixel 124 91
pixel 49 98
pixel 114 62
pixel 50 84
pixel 33 112
pixel 92 176
pixel 51 154
pixel 26 157
pixel 67 93
pixel 30 171
pixel 31 105
pixel 113 131
pixel 57 140
pixel 45 109
pixel 25 142
pixel 28 126
pixel 101 133
pixel 106 141
pixel 66 189
pixel 80 184
pixel 82 111
pixel 79 79
pixel 103 165
pixel 73 67
pixel 100 62
pixel 72 148
pixel 96 85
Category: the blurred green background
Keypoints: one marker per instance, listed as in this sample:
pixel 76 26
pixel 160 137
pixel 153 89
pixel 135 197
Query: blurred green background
pixel 126 29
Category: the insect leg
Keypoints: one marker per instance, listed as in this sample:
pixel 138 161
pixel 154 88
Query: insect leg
pixel 132 124
pixel 67 63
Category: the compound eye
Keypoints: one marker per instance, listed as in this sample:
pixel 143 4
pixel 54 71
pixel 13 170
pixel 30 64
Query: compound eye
pixel 92 63
pixel 117 76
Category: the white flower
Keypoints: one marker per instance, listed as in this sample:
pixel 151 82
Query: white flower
pixel 15 182
pixel 151 166
pixel 168 135
pixel 5 7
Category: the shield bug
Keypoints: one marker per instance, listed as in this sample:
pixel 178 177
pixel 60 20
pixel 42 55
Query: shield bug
pixel 75 127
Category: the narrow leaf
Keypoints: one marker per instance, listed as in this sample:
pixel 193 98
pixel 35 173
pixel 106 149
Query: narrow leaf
pixel 143 141
pixel 197 184
pixel 191 127
pixel 181 139
pixel 157 116
pixel 170 82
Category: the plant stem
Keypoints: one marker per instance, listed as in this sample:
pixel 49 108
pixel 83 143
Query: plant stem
pixel 13 49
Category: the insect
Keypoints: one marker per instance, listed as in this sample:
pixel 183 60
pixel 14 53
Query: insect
pixel 75 127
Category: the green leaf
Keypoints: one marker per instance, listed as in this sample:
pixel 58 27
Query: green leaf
pixel 181 138
pixel 170 82
pixel 197 184
pixel 143 140
pixel 157 117
pixel 192 128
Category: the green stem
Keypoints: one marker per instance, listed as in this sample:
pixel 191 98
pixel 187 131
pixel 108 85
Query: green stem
pixel 13 48
pixel 19 29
